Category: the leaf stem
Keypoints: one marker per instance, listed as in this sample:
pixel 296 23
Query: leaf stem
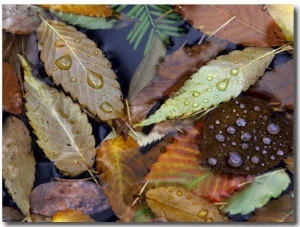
pixel 222 26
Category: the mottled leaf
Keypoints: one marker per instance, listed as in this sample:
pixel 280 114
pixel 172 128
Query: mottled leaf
pixel 219 81
pixel 11 92
pixel 49 198
pixel 177 204
pixel 21 19
pixel 10 214
pixel 251 25
pixel 63 131
pixel 18 163
pixel 71 215
pixel 75 62
pixel 120 166
pixel 258 193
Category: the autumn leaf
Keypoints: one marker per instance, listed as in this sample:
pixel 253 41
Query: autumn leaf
pixel 290 162
pixel 71 215
pixel 258 193
pixel 10 214
pixel 21 19
pixel 281 209
pixel 75 62
pixel 49 198
pixel 177 204
pixel 18 163
pixel 248 25
pixel 120 166
pixel 11 93
pixel 63 131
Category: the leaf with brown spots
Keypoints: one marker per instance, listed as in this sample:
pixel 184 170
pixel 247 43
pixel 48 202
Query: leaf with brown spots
pixel 49 198
pixel 71 215
pixel 251 25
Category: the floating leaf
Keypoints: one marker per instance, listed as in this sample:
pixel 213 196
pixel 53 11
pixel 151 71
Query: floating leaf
pixel 63 131
pixel 251 25
pixel 284 17
pixel 18 163
pixel 11 93
pixel 10 214
pixel 71 215
pixel 281 209
pixel 21 19
pixel 177 204
pixel 121 168
pixel 80 67
pixel 258 193
pixel 219 81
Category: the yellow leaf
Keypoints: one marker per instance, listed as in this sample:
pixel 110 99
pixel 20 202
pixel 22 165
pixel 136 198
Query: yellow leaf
pixel 71 215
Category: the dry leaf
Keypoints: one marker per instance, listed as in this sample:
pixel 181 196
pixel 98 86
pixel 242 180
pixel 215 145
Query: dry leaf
pixel 49 198
pixel 10 214
pixel 21 19
pixel 252 26
pixel 177 204
pixel 75 62
pixel 71 215
pixel 18 163
pixel 121 167
pixel 11 93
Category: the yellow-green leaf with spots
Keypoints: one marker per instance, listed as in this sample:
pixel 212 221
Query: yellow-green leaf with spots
pixel 62 129
pixel 219 81
pixel 75 63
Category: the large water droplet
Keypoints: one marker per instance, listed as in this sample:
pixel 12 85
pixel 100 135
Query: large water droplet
pixel 231 130
pixel 196 94
pixel 234 71
pixel 267 140
pixel 60 43
pixel 245 146
pixel 220 137
pixel 280 152
pixel 222 86
pixel 273 128
pixel 95 80
pixel 212 161
pixel 246 137
pixel 234 160
pixel 209 78
pixel 240 122
pixel 64 62
pixel 202 213
pixel 255 159
pixel 179 193
pixel 106 107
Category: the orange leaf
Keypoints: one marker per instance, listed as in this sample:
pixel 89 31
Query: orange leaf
pixel 252 26
pixel 122 169
pixel 71 215
pixel 11 93
pixel 180 165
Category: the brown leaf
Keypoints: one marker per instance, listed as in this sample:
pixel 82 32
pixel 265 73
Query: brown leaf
pixel 252 26
pixel 21 19
pixel 10 214
pixel 71 215
pixel 290 162
pixel 278 210
pixel 121 167
pixel 11 93
pixel 173 72
pixel 49 198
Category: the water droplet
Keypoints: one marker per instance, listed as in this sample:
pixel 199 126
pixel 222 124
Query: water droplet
pixel 257 148
pixel 209 220
pixel 255 159
pixel 231 130
pixel 216 96
pixel 96 65
pixel 77 40
pixel 273 128
pixel 267 140
pixel 222 86
pixel 64 62
pixel 73 79
pixel 212 161
pixel 189 197
pixel 170 189
pixel 240 81
pixel 87 62
pixel 209 78
pixel 272 157
pixel 242 105
pixel 234 160
pixel 170 197
pixel 202 213
pixel 234 71
pixel 256 108
pixel 264 152
pixel 217 122
pixel 246 137
pixel 250 57
pixel 186 103
pixel 205 100
pixel 106 108
pixel 60 43
pixel 96 52
pixel 195 105
pixel 280 152
pixel 220 137
pixel 233 143
pixel 196 94
pixel 179 193
pixel 211 127
pixel 265 117
pixel 95 80
pixel 209 89
pixel 240 122
pixel 54 68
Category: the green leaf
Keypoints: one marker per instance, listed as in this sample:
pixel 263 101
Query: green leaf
pixel 219 81
pixel 258 193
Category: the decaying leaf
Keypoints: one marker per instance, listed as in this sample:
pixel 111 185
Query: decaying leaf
pixel 21 19
pixel 258 193
pixel 18 163
pixel 71 215
pixel 219 81
pixel 10 214
pixel 49 198
pixel 75 62
pixel 251 25
pixel 11 93
pixel 121 167
pixel 290 162
pixel 281 209
pixel 177 204
pixel 63 131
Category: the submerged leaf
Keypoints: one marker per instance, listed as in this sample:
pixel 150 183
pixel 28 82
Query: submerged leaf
pixel 63 131
pixel 49 198
pixel 80 67
pixel 18 163
pixel 177 204
pixel 219 81
pixel 258 193
pixel 71 215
